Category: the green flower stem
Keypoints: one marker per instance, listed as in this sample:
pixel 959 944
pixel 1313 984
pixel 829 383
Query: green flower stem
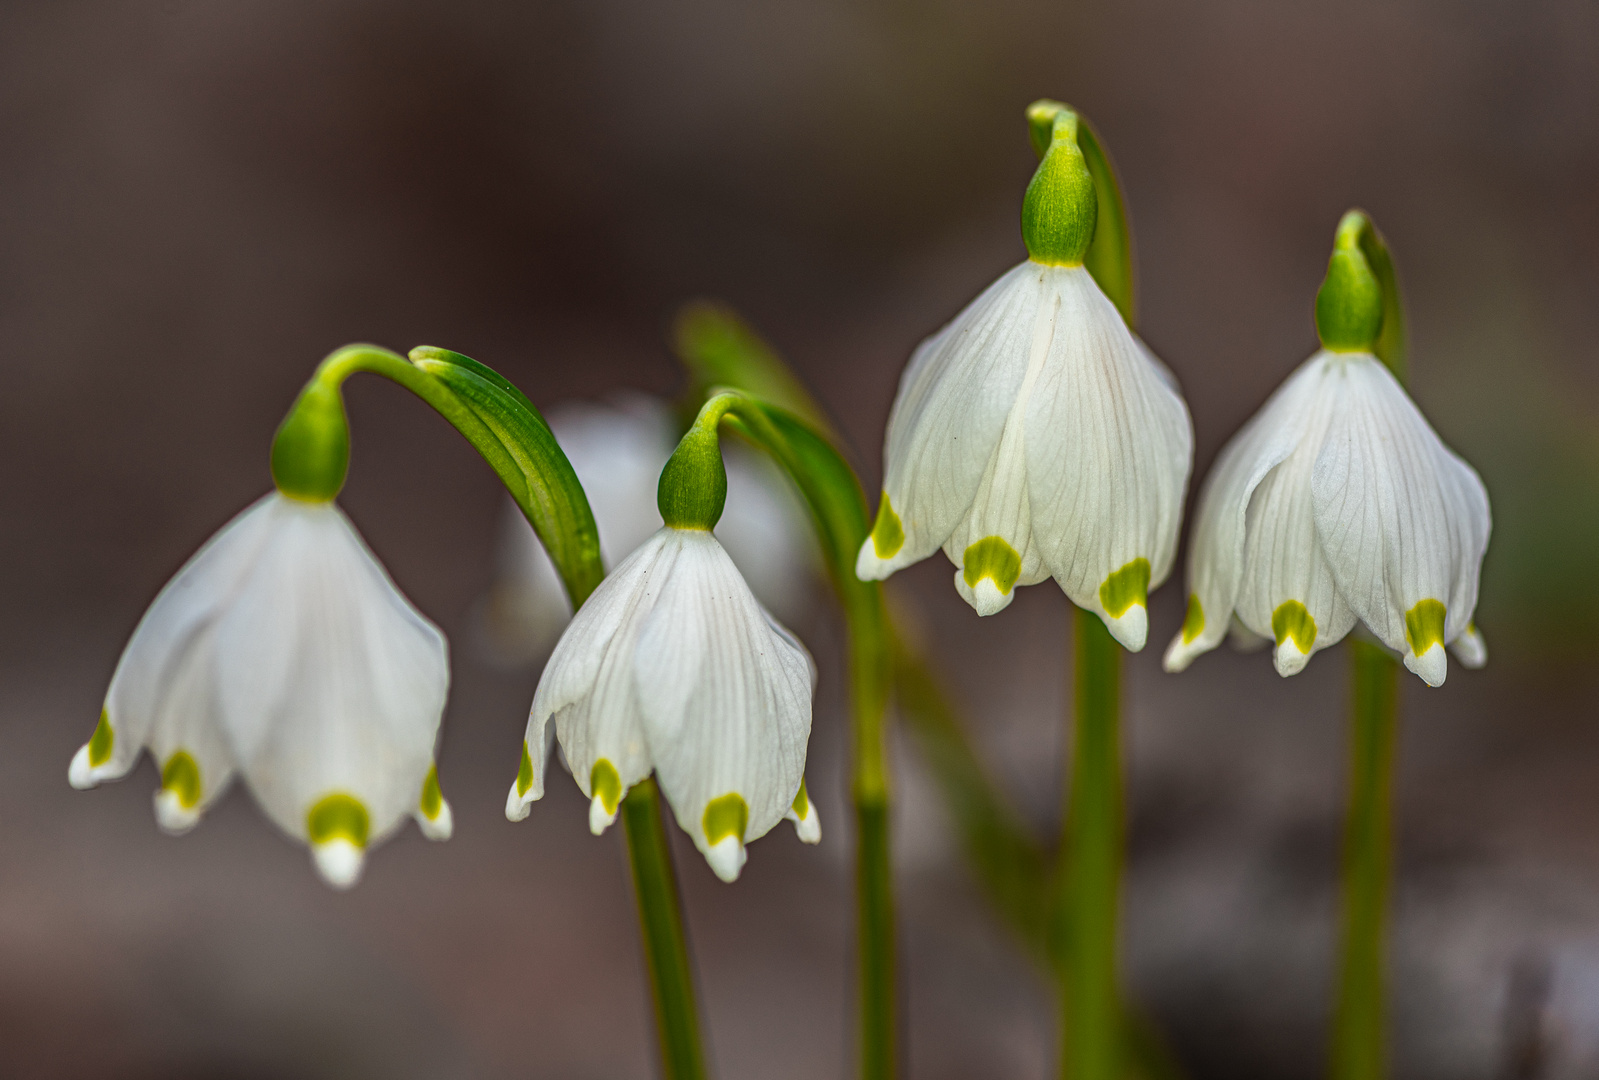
pixel 837 509
pixel 504 427
pixel 1093 839
pixel 1358 1041
pixel 661 924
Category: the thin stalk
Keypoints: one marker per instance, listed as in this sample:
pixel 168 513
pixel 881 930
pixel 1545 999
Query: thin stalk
pixel 1093 836
pixel 874 885
pixel 1358 1029
pixel 665 945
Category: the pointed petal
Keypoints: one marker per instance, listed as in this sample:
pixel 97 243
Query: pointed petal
pixel 339 861
pixel 1109 446
pixel 947 418
pixel 331 684
pixel 587 686
pixel 725 694
pixel 160 679
pixel 1216 542
pixel 1286 591
pixel 993 544
pixel 1470 648
pixel 1404 522
pixel 433 814
pixel 802 812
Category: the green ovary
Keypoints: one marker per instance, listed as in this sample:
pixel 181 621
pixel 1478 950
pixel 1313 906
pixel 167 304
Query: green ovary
pixel 1424 625
pixel 101 742
pixel 524 771
pixel 726 816
pixel 1194 621
pixel 992 558
pixel 1126 587
pixel 888 535
pixel 181 776
pixel 605 784
pixel 432 800
pixel 1293 620
pixel 338 816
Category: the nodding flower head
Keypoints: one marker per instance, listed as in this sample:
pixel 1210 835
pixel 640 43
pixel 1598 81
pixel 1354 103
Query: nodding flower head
pixel 282 653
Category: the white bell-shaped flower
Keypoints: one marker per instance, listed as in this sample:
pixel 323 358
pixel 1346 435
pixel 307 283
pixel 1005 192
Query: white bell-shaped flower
pixel 1338 502
pixel 673 666
pixel 617 450
pixel 282 651
pixel 1035 436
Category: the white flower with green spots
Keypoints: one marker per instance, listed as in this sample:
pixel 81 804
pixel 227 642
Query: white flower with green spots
pixel 1338 502
pixel 283 652
pixel 673 667
pixel 1035 436
pixel 617 450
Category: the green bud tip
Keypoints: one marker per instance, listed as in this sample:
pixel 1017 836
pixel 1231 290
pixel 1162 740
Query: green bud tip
pixel 1349 304
pixel 693 485
pixel 311 451
pixel 1060 209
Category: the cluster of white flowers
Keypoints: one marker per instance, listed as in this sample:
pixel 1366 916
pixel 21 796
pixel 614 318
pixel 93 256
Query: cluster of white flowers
pixel 283 653
pixel 1035 436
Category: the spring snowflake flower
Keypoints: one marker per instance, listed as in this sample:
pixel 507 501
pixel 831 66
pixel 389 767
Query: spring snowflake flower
pixel 1035 436
pixel 1338 503
pixel 617 451
pixel 673 666
pixel 283 652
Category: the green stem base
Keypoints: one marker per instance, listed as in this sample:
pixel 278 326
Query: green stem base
pixel 1093 841
pixel 1358 1028
pixel 665 945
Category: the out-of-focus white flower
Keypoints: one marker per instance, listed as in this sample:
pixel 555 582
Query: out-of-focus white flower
pixel 1034 437
pixel 283 651
pixel 673 666
pixel 1338 502
pixel 617 451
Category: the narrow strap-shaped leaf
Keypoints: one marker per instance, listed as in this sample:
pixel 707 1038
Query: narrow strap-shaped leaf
pixel 718 348
pixel 528 460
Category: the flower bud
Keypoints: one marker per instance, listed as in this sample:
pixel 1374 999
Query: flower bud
pixel 1349 304
pixel 311 451
pixel 693 486
pixel 1060 208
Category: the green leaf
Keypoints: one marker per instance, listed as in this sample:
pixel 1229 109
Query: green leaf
pixel 520 447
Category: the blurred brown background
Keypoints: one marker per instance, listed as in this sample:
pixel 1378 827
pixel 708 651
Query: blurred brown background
pixel 197 201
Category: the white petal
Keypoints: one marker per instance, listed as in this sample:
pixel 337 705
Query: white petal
pixel 1216 542
pixel 727 858
pixel 1432 665
pixel 339 862
pixel 1403 521
pixel 1470 648
pixel 587 686
pixel 163 680
pixel 947 418
pixel 1109 447
pixel 331 683
pixel 725 694
pixel 1287 592
pixel 992 546
pixel 808 827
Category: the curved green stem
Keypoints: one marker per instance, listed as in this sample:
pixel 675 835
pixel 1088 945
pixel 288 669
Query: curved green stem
pixel 837 509
pixel 1358 1028
pixel 665 944
pixel 1092 848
